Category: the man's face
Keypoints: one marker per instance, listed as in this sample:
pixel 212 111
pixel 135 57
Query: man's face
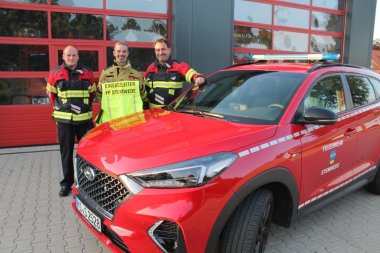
pixel 70 57
pixel 162 52
pixel 120 52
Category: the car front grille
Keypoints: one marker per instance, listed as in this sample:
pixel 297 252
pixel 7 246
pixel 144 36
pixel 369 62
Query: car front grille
pixel 104 190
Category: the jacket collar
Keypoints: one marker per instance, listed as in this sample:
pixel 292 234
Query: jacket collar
pixel 168 64
pixel 78 67
pixel 124 67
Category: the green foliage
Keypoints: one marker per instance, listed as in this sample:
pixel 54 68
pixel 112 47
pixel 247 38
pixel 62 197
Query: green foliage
pixel 376 44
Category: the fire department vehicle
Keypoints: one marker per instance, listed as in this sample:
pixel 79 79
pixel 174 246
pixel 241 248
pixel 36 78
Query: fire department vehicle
pixel 261 143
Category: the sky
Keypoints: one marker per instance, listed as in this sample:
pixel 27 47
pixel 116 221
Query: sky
pixel 376 32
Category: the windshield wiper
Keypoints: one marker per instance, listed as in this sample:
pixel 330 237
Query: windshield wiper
pixel 202 113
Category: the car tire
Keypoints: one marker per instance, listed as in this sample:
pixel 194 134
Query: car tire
pixel 248 228
pixel 374 186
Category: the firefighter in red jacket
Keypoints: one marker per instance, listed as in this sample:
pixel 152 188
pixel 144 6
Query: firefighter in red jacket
pixel 165 76
pixel 71 90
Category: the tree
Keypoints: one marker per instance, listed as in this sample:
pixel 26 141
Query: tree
pixel 159 27
pixel 131 24
pixel 376 44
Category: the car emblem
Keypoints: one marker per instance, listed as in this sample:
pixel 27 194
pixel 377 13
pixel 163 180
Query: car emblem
pixel 332 156
pixel 89 173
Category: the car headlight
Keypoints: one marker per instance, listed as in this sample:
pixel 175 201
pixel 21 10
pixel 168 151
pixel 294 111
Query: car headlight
pixel 185 174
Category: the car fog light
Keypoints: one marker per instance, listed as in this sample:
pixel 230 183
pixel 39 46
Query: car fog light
pixel 167 236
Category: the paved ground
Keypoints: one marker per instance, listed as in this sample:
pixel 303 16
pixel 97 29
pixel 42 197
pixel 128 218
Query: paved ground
pixel 33 218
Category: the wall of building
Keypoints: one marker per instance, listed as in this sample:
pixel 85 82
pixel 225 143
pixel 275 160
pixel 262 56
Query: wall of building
pixel 359 32
pixel 202 33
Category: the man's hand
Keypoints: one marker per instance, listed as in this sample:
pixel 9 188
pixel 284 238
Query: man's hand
pixel 99 87
pixel 199 80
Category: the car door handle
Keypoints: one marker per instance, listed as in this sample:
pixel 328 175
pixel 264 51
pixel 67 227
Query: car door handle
pixel 349 132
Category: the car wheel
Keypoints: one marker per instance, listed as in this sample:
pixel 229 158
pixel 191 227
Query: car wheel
pixel 248 228
pixel 374 186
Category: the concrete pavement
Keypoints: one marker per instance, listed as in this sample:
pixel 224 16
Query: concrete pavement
pixel 33 218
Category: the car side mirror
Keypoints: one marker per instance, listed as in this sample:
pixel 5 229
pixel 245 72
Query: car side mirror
pixel 319 116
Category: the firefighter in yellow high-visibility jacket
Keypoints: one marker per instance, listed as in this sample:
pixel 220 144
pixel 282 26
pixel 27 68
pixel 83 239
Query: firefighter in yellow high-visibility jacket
pixel 121 87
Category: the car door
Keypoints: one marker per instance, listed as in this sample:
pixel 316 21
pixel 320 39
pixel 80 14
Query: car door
pixel 327 151
pixel 367 108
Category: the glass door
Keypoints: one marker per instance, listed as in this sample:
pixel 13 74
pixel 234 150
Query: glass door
pixel 89 56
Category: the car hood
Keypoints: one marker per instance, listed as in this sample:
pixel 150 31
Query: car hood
pixel 157 137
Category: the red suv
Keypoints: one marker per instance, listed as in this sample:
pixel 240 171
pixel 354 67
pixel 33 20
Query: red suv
pixel 260 143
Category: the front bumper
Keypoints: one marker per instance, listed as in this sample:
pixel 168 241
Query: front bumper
pixel 193 210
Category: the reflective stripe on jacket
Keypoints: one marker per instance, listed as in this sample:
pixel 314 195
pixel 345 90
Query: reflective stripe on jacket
pixel 164 82
pixel 71 92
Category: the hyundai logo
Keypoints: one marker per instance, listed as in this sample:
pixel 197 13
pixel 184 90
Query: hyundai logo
pixel 89 173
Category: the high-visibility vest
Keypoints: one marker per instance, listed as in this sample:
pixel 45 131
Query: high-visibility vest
pixel 120 99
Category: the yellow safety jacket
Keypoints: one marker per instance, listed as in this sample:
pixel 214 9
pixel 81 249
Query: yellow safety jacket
pixel 120 99
pixel 121 92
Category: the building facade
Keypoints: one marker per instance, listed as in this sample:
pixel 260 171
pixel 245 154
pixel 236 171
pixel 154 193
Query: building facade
pixel 208 34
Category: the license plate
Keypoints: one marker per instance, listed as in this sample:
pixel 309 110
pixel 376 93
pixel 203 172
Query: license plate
pixel 94 220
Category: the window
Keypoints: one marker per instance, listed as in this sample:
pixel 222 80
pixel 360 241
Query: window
pixel 252 97
pixel 287 26
pixel 26 1
pixel 159 6
pixel 361 90
pixel 76 26
pixel 253 12
pixel 24 57
pixel 326 22
pixel 16 91
pixel 325 44
pixel 248 37
pixel 23 23
pixel 376 85
pixel 135 29
pixel 291 17
pixel 80 3
pixel 305 2
pixel 140 58
pixel 32 30
pixel 327 93
pixel 290 41
pixel 330 4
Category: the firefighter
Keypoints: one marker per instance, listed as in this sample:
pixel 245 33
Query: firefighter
pixel 165 76
pixel 122 89
pixel 71 89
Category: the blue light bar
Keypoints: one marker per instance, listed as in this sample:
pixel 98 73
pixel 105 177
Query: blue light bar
pixel 326 57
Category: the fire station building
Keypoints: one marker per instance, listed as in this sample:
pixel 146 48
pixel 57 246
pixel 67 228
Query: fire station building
pixel 208 34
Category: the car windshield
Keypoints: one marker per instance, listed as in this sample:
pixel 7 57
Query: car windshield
pixel 251 97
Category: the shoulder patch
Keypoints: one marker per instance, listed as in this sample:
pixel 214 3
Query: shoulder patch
pixel 109 67
pixel 56 69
